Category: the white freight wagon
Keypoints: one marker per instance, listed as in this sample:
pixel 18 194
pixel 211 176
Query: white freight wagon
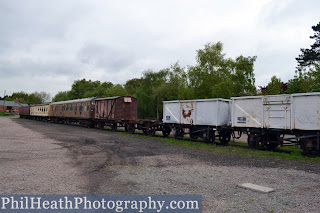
pixel 200 118
pixel 265 118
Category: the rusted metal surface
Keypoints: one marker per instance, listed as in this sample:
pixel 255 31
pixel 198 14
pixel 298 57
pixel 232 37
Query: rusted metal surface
pixel 116 108
pixel 213 112
pixel 187 112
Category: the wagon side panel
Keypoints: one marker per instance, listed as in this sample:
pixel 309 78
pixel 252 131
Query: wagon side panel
pixel 306 112
pixel 247 112
pixel 171 112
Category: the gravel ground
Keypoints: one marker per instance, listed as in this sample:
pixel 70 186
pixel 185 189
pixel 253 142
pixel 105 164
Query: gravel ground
pixel 51 158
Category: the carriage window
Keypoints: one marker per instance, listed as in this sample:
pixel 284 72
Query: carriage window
pixel 80 108
pixel 75 107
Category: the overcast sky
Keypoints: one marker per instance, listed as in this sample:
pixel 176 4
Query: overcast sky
pixel 45 45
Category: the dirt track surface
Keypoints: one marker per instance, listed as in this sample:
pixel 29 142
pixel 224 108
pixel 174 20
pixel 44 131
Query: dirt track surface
pixel 46 158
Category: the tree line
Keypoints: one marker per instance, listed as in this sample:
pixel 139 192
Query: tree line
pixel 26 98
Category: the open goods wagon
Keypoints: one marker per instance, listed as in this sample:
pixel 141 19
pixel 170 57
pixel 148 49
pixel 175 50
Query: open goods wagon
pixel 199 118
pixel 273 120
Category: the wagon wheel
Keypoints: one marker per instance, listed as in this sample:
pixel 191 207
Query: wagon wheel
pixel 90 125
pixel 101 125
pixel 151 131
pixel 114 127
pixel 130 128
pixel 209 136
pixel 193 134
pixel 308 147
pixel 271 146
pixel 145 131
pixel 166 131
pixel 254 141
pixel 224 137
pixel 178 133
pixel 272 141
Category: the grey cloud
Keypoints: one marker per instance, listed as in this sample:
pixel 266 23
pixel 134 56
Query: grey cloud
pixel 105 57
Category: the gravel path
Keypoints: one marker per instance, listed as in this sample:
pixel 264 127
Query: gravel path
pixel 103 162
pixel 30 163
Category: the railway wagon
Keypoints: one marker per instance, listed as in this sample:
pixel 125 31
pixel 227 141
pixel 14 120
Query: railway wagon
pixel 278 119
pixel 24 112
pixel 40 112
pixel 116 111
pixel 73 111
pixel 199 118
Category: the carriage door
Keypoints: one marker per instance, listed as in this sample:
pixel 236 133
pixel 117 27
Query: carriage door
pixel 277 112
pixel 187 112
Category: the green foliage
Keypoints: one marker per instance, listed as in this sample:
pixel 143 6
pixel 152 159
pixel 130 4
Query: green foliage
pixel 215 76
pixel 117 90
pixel 32 98
pixel 84 89
pixel 311 56
pixel 132 85
pixel 6 114
pixel 155 87
pixel 275 86
pixel 307 77
pixel 62 96
pixel 302 82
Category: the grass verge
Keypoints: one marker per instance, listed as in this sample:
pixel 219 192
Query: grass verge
pixel 237 147
pixel 6 114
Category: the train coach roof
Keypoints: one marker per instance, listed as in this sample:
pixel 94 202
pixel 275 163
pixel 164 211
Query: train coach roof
pixel 198 100
pixel 107 98
pixel 74 101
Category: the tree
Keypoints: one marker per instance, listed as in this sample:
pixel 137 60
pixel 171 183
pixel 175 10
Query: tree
pixel 132 85
pixel 33 98
pixel 117 90
pixel 311 56
pixel 61 96
pixel 275 86
pixel 307 77
pixel 215 76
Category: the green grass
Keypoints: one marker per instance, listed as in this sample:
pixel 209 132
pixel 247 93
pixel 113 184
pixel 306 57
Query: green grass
pixel 238 148
pixel 6 114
